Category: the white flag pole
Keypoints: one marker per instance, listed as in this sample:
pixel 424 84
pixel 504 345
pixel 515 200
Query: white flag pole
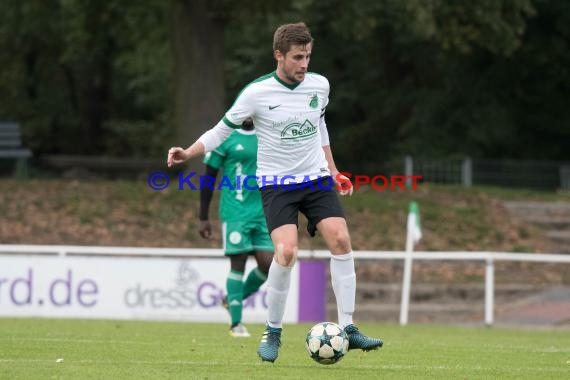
pixel 413 235
pixel 407 278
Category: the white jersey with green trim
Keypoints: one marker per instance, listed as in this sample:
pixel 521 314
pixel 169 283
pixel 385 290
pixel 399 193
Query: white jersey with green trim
pixel 287 121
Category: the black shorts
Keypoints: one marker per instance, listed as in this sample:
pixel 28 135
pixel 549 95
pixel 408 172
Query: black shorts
pixel 317 200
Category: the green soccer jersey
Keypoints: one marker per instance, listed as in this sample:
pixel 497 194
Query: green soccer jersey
pixel 237 158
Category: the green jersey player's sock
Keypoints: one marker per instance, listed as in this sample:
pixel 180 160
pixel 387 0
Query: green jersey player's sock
pixel 234 286
pixel 254 280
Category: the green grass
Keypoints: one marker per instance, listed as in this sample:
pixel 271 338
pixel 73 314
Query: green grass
pixel 160 350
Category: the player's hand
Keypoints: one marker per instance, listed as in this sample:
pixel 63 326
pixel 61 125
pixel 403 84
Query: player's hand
pixel 176 156
pixel 343 184
pixel 205 229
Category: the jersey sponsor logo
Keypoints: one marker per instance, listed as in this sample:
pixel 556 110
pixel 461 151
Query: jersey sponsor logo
pixel 273 107
pixel 295 131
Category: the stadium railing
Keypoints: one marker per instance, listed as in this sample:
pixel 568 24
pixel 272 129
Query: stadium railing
pixel 489 258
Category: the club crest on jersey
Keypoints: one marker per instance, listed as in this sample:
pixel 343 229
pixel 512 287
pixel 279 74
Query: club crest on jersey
pixel 296 131
pixel 313 100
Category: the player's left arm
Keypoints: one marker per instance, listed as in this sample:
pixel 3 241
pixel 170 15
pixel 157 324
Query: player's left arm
pixel 342 182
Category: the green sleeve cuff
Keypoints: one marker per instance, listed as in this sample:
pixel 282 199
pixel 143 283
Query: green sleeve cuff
pixel 230 124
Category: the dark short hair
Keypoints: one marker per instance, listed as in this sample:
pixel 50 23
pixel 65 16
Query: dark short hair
pixel 288 35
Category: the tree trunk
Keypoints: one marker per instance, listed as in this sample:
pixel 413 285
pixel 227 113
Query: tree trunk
pixel 198 40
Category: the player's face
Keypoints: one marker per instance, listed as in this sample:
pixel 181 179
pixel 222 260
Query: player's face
pixel 293 66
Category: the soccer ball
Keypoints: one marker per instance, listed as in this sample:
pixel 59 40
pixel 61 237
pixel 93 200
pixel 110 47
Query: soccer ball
pixel 326 343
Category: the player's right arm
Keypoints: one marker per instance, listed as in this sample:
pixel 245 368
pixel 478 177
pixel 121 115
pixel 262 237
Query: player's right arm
pixel 209 141
pixel 242 108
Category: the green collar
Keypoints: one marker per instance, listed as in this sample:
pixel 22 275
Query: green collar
pixel 289 86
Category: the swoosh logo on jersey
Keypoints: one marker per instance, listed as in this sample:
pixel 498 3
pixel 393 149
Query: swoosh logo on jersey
pixel 273 107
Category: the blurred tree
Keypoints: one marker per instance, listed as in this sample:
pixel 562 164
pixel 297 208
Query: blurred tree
pixel 73 70
pixel 498 97
pixel 409 75
pixel 434 78
pixel 198 41
pixel 88 32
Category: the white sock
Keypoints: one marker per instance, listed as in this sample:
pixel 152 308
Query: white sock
pixel 278 280
pixel 343 280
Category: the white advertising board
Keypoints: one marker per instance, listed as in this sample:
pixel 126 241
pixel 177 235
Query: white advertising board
pixel 126 288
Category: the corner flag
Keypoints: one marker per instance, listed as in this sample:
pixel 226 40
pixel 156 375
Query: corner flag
pixel 414 227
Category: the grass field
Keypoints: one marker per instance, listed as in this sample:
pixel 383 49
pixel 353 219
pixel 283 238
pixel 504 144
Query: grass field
pixel 30 349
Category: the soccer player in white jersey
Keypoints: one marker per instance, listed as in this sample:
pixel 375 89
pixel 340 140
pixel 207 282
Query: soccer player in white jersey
pixel 296 171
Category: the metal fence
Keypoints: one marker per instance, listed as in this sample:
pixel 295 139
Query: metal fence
pixel 538 175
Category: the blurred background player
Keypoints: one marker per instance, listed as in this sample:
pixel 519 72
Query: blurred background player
pixel 244 230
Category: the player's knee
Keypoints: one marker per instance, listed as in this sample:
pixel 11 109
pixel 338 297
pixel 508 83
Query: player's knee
pixel 341 241
pixel 286 254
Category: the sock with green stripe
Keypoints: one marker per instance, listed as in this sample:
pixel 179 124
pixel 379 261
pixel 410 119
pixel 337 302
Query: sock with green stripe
pixel 254 280
pixel 234 286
